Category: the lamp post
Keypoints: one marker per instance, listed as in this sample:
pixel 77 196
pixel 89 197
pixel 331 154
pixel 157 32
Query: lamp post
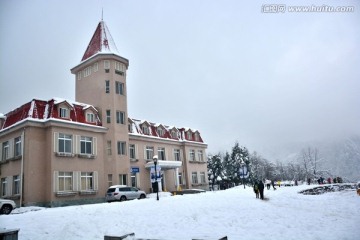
pixel 155 159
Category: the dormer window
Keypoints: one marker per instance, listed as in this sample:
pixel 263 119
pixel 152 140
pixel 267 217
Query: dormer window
pixel 160 131
pixel 64 112
pixel 90 117
pixel 189 135
pixel 130 128
pixel 197 137
pixel 173 134
pixel 145 130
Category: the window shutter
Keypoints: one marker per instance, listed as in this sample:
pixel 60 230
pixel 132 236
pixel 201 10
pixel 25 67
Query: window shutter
pixel 74 144
pixel 136 152
pixel 138 180
pixel 56 142
pixel 78 144
pixel 76 181
pixel 1 146
pixel 145 157
pixel 181 155
pixel 11 149
pixel 9 180
pixel 94 150
pixel 56 181
pixel 95 181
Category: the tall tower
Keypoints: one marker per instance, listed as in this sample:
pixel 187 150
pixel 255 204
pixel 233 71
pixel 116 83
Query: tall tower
pixel 101 82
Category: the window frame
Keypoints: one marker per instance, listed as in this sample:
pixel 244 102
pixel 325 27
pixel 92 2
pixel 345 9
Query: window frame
pixel 120 117
pixel 107 86
pixel 121 147
pixel 18 146
pixel 65 141
pixel 194 178
pixel 85 141
pixel 119 88
pixel 161 153
pixel 149 152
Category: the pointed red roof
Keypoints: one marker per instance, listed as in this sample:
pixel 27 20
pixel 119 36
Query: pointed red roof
pixel 101 42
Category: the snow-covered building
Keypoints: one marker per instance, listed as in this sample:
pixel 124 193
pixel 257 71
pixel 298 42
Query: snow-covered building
pixel 60 152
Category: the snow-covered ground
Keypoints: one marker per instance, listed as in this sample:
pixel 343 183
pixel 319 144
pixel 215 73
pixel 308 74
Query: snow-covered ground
pixel 235 213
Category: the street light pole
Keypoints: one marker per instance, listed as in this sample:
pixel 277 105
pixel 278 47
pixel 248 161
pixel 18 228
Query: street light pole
pixel 156 182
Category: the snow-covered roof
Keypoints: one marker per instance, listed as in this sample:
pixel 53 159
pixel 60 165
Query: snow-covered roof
pixel 171 132
pixel 43 110
pixel 101 42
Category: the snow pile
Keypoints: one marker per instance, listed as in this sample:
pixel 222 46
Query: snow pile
pixel 329 188
pixel 234 213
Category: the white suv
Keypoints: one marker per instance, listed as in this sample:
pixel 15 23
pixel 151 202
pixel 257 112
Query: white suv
pixel 6 206
pixel 123 192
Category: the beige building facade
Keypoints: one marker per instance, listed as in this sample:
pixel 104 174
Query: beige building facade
pixel 57 152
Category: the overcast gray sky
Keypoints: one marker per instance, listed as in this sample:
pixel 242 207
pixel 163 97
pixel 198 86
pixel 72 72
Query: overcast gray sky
pixel 222 67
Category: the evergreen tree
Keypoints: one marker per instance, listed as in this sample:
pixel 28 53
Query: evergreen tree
pixel 215 169
pixel 239 157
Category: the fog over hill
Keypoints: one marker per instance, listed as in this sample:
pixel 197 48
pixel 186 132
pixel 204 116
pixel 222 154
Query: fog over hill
pixel 341 157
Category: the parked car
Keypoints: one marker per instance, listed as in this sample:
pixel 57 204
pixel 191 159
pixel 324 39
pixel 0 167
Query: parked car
pixel 6 206
pixel 123 192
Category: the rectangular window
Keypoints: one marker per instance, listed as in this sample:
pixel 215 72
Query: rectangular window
pixel 119 68
pixel 79 75
pixel 17 150
pixel 108 116
pixel 86 145
pixel 160 132
pixel 202 177
pixel 108 147
pixel 87 181
pixel 197 137
pixel 65 143
pixel 64 112
pixel 3 186
pixel 123 179
pixel 161 153
pixel 173 134
pixel 107 86
pixel 149 152
pixel 145 130
pixel 90 117
pixel 121 148
pixel 194 177
pixel 16 185
pixel 120 117
pixel 65 181
pixel 133 180
pixel 177 155
pixel 192 155
pixel 189 135
pixel 119 87
pixel 200 155
pixel 5 150
pixel 106 64
pixel 87 71
pixel 132 151
pixel 180 179
pixel 110 181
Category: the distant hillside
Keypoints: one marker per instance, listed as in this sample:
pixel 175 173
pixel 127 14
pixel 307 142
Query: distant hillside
pixel 340 157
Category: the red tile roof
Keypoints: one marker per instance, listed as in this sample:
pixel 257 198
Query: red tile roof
pixel 101 42
pixel 45 110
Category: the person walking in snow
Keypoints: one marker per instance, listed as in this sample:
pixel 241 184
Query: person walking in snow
pixel 261 189
pixel 256 189
pixel 273 184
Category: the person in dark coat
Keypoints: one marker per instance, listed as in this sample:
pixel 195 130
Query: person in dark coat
pixel 256 189
pixel 261 189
